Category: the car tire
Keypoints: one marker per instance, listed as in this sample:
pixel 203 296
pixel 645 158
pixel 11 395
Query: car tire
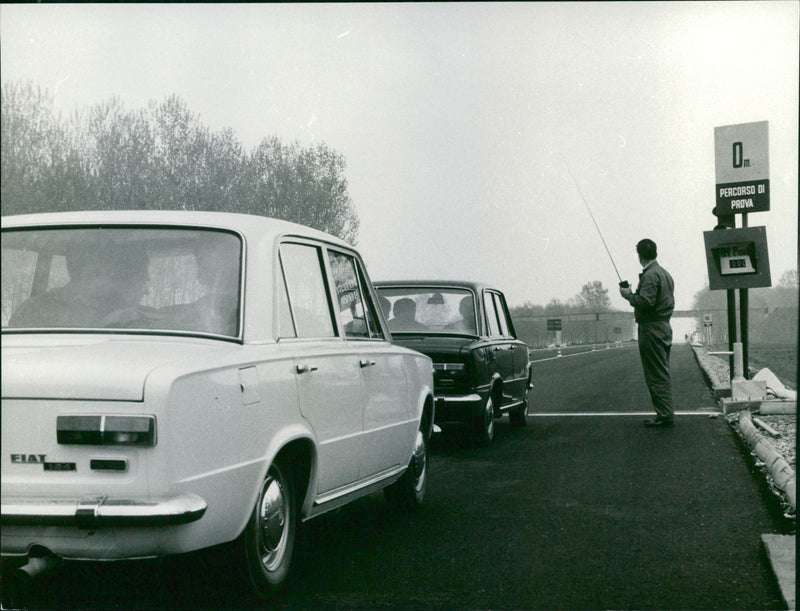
pixel 267 543
pixel 408 492
pixel 519 417
pixel 484 424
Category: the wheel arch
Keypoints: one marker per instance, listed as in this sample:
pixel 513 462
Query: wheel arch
pixel 296 448
pixel 300 456
pixel 428 414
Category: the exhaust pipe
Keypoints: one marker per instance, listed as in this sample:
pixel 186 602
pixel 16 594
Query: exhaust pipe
pixel 17 580
pixel 37 565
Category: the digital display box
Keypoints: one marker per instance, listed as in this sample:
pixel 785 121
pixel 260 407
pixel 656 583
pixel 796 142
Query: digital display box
pixel 737 258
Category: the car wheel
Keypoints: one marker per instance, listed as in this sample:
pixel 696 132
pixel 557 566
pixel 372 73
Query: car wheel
pixel 519 417
pixel 484 424
pixel 409 491
pixel 267 543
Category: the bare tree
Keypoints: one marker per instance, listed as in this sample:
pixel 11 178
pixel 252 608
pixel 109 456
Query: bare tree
pixel 35 152
pixel 593 297
pixel 161 157
pixel 303 185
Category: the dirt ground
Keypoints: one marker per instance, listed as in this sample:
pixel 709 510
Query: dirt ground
pixel 780 359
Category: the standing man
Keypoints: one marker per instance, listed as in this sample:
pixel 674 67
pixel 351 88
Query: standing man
pixel 653 303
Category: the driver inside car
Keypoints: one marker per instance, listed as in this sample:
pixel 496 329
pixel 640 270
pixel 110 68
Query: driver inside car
pixel 105 287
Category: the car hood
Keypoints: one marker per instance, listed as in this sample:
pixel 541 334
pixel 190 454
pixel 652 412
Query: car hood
pixel 109 368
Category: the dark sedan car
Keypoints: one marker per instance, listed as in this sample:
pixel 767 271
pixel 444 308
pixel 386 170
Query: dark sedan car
pixel 481 368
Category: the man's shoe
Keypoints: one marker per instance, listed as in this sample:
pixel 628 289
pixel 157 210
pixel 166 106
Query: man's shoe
pixel 659 421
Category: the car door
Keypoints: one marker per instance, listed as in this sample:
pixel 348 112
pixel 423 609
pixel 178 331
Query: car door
pixel 388 424
pixel 326 367
pixel 501 347
pixel 518 382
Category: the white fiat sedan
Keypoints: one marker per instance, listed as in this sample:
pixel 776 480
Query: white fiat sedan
pixel 177 380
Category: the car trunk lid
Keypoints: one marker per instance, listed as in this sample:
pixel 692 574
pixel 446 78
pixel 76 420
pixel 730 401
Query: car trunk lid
pixel 112 368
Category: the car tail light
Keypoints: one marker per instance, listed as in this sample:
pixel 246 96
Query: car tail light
pixel 107 430
pixel 449 368
pixel 448 374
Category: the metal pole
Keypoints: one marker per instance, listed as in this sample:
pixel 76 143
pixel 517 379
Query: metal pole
pixel 743 319
pixel 744 309
pixel 729 221
pixel 731 326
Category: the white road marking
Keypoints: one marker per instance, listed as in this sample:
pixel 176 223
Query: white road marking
pixel 701 412
pixel 566 356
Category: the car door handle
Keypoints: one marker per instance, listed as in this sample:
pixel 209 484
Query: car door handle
pixel 366 363
pixel 305 368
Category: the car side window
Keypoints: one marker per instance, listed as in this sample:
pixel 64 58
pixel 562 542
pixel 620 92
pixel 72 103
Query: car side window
pixel 491 315
pixel 356 311
pixel 285 321
pixel 502 314
pixel 502 307
pixel 305 287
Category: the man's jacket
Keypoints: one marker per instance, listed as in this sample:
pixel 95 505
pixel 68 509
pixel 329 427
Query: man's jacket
pixel 654 299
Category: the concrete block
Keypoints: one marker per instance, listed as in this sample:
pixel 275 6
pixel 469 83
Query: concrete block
pixel 781 551
pixel 775 385
pixel 729 405
pixel 748 390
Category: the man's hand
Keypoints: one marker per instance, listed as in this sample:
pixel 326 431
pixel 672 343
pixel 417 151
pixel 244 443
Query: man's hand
pixel 626 292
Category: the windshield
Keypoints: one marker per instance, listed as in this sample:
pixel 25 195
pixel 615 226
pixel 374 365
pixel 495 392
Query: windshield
pixel 429 310
pixel 121 278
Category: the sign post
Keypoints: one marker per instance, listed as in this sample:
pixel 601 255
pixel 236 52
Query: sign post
pixel 742 186
pixel 707 324
pixel 554 324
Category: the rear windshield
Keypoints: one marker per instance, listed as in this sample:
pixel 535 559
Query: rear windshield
pixel 429 310
pixel 81 278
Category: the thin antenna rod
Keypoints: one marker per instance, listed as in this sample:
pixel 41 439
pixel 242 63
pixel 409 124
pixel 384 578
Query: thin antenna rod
pixel 589 210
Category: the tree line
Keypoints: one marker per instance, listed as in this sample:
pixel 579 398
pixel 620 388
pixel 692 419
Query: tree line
pixel 782 294
pixel 772 311
pixel 773 315
pixel 161 157
pixel 593 297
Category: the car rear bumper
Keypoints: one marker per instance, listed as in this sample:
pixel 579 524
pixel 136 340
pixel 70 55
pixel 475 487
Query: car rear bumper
pixel 103 512
pixel 459 408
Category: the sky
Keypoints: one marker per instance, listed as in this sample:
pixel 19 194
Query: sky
pixel 470 130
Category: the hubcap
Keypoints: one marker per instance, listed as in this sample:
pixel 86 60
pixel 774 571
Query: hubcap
pixel 419 462
pixel 489 418
pixel 272 522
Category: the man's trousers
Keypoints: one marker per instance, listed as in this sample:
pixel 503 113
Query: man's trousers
pixel 655 341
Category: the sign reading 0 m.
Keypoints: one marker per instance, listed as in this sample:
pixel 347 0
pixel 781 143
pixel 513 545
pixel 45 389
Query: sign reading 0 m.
pixel 742 164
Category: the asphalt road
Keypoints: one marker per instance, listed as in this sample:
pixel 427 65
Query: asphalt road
pixel 582 509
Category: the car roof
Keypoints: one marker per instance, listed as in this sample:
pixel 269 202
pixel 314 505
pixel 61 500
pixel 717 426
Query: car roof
pixel 468 284
pixel 246 224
